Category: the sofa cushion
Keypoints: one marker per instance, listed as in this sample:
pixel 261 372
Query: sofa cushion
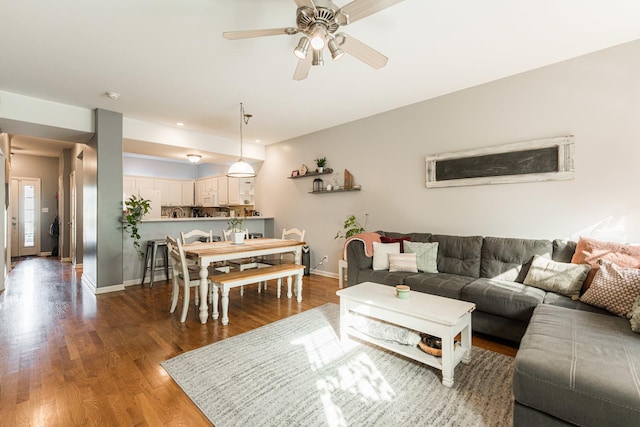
pixel 563 250
pixel 426 255
pixel 552 298
pixel 441 284
pixel 507 299
pixel 580 367
pixel 459 255
pixel 414 237
pixel 509 259
pixel 589 251
pixel 384 277
pixel 562 277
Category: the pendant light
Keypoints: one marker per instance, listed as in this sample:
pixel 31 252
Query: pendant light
pixel 241 169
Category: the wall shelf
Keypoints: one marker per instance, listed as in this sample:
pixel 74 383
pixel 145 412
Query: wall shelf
pixel 342 190
pixel 309 174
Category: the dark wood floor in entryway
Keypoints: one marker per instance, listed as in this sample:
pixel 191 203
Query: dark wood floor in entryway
pixel 68 357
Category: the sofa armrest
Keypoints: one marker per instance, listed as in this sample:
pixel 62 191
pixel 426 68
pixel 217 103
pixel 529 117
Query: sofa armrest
pixel 356 260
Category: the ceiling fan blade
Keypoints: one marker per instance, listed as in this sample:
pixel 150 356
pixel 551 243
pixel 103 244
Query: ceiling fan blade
pixel 358 9
pixel 361 51
pixel 303 67
pixel 236 35
pixel 307 3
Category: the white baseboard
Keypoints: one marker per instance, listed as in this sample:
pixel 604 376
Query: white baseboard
pixel 325 273
pixel 78 266
pixel 45 253
pixel 65 259
pixel 97 291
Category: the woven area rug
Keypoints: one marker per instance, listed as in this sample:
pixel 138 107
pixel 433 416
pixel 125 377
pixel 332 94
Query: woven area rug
pixel 295 372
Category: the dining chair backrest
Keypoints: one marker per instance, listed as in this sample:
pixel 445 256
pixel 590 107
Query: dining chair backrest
pixel 197 234
pixel 226 234
pixel 178 260
pixel 293 234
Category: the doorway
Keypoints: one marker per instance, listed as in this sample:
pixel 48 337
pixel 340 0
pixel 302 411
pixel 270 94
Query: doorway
pixel 25 216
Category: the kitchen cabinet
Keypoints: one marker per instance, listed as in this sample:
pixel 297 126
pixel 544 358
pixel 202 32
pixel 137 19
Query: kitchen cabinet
pixel 199 192
pixel 233 187
pixel 223 191
pixel 170 192
pixel 245 191
pixel 211 185
pixel 145 183
pixel 187 193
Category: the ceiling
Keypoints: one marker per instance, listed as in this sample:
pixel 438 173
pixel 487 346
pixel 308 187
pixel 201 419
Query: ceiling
pixel 170 64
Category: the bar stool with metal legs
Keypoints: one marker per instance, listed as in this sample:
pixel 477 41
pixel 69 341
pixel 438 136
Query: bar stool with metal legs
pixel 151 256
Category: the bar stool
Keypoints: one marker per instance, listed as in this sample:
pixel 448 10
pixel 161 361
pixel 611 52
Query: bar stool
pixel 151 257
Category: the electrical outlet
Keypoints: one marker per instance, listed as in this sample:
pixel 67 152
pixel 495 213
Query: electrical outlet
pixel 325 259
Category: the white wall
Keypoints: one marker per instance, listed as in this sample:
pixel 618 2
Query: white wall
pixel 595 97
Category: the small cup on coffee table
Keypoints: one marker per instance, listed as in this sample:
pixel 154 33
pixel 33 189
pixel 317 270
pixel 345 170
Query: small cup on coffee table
pixel 402 291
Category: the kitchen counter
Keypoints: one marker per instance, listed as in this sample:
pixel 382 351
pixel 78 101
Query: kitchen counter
pixel 209 218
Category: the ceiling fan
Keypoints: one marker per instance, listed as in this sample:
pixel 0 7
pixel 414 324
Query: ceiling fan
pixel 319 21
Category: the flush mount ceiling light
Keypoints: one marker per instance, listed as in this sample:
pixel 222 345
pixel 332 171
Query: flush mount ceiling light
pixel 241 169
pixel 319 21
pixel 113 95
pixel 194 158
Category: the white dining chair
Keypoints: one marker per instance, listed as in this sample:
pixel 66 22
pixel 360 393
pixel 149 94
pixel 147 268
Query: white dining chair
pixel 183 277
pixel 195 236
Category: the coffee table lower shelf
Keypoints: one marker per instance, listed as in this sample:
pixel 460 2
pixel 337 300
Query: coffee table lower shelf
pixel 409 351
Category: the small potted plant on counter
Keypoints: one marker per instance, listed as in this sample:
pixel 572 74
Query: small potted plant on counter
pixel 321 162
pixel 237 234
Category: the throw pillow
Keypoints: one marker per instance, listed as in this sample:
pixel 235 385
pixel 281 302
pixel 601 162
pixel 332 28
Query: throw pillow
pixel 634 316
pixel 381 253
pixel 589 251
pixel 403 262
pixel 401 240
pixel 426 255
pixel 613 288
pixel 559 277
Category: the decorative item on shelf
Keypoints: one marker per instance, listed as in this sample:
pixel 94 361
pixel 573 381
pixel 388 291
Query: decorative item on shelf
pixel 304 169
pixel 318 185
pixel 321 162
pixel 241 169
pixel 430 344
pixel 348 180
pixel 135 209
pixel 352 227
pixel 295 173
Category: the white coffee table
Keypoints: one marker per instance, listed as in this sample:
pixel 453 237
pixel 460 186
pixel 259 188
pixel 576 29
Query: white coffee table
pixel 434 315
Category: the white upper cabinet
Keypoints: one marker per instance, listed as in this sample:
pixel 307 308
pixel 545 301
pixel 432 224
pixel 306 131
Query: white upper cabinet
pixel 187 193
pixel 223 191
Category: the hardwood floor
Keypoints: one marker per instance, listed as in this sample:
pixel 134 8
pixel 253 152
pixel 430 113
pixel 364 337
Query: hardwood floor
pixel 69 357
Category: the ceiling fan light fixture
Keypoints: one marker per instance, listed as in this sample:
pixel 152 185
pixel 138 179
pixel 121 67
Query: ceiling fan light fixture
pixel 317 58
pixel 317 37
pixel 194 158
pixel 336 52
pixel 302 48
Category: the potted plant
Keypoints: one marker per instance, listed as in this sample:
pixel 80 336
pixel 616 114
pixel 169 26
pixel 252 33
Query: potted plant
pixel 135 209
pixel 321 162
pixel 352 227
pixel 237 235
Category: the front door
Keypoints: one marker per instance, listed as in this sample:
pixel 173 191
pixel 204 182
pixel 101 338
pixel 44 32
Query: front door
pixel 25 216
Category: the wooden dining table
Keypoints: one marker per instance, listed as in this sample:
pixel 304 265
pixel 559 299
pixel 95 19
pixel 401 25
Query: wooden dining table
pixel 206 253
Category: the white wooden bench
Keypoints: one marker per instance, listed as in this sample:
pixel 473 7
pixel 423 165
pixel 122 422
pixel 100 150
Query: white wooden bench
pixel 255 275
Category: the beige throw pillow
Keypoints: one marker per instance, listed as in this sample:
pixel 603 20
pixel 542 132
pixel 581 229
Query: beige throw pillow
pixel 613 288
pixel 381 253
pixel 403 262
pixel 559 277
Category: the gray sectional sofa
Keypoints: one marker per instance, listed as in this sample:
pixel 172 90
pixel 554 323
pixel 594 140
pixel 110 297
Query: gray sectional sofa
pixel 577 364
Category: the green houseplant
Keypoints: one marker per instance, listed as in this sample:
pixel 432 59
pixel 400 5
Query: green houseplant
pixel 321 162
pixel 352 227
pixel 135 209
pixel 235 226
